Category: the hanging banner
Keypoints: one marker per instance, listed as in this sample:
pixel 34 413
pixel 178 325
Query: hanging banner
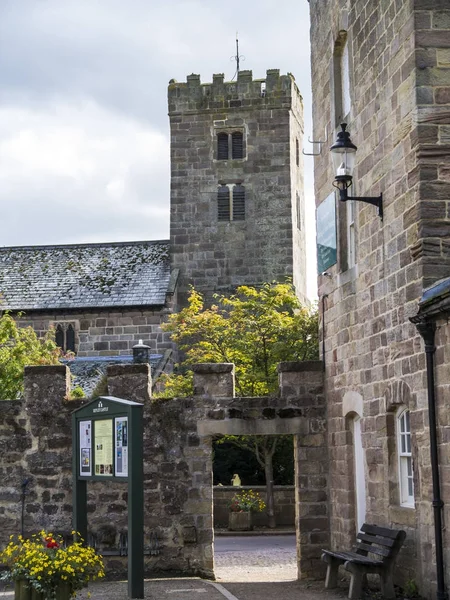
pixel 121 437
pixel 86 448
pixel 103 440
pixel 326 234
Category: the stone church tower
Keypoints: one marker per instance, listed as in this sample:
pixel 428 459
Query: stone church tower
pixel 237 202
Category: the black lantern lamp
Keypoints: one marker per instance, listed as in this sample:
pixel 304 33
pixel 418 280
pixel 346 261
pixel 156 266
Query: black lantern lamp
pixel 343 154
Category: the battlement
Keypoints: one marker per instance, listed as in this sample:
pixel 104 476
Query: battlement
pixel 193 95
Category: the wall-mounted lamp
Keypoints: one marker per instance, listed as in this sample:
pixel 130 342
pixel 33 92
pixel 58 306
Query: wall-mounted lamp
pixel 343 153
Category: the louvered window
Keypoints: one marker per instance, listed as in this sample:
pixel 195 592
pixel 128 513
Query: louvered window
pixel 59 337
pixel 222 146
pixel 70 338
pixel 223 203
pixel 237 144
pixel 238 203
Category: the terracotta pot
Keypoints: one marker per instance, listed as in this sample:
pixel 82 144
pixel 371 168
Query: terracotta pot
pixel 240 521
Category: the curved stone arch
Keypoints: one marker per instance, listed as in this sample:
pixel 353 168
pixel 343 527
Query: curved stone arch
pixel 397 394
pixel 352 403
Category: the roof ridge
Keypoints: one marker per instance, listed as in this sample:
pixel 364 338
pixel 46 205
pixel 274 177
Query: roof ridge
pixel 83 245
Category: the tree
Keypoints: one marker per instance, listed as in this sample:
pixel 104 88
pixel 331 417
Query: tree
pixel 20 347
pixel 256 328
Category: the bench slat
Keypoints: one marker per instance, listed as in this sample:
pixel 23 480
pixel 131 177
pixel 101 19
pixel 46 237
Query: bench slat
pixel 354 557
pixel 381 541
pixel 385 552
pixel 381 531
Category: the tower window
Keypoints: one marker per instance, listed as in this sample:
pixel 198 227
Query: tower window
pixel 237 144
pixel 65 336
pixel 231 203
pixel 299 212
pixel 297 152
pixel 222 146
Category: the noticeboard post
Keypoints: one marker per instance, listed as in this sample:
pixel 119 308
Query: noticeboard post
pixel 107 446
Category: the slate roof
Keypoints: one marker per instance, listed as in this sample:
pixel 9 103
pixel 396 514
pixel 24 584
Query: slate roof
pixel 79 276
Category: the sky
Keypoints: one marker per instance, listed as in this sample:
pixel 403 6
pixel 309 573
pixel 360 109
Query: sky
pixel 84 132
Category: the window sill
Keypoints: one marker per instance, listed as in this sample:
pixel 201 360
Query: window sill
pixel 403 515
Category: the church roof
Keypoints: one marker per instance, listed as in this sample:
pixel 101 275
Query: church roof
pixel 77 276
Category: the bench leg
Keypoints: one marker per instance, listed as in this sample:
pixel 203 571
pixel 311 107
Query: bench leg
pixel 357 578
pixel 387 584
pixel 331 579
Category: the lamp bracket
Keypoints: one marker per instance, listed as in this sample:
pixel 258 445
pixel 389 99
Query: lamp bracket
pixel 374 200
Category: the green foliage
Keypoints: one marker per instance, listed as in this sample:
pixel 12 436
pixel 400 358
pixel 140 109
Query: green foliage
pixel 76 393
pixel 20 347
pixel 255 329
pixel 230 459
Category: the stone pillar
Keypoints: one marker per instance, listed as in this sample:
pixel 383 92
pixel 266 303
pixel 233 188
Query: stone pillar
pixel 45 388
pixel 214 380
pixel 130 382
pixel 303 383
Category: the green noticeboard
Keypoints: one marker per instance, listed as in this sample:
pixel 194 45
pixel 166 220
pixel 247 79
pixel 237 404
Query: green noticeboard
pixel 326 234
pixel 108 446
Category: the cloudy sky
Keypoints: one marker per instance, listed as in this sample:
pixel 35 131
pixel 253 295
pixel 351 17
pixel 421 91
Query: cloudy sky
pixel 84 133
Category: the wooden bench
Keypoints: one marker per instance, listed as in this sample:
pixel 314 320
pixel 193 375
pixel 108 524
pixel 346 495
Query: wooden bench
pixel 382 544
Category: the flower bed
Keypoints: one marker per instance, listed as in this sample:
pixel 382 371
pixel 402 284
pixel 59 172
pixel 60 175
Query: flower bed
pixel 44 566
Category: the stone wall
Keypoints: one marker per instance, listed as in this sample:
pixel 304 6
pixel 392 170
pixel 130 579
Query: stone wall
pixel 213 255
pixel 106 332
pixel 35 439
pixel 284 505
pixel 399 82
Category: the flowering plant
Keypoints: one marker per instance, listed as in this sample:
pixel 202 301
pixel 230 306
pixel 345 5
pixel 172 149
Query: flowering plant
pixel 246 501
pixel 44 563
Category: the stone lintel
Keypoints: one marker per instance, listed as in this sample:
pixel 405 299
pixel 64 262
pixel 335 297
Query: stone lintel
pixel 295 426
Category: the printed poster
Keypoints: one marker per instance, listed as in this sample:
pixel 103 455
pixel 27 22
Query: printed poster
pixel 121 447
pixel 85 448
pixel 103 440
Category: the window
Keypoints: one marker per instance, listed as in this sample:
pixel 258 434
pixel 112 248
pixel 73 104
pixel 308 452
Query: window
pixel 230 140
pixel 351 239
pixel 65 336
pixel 297 152
pixel 231 203
pixel 342 95
pixel 237 147
pixel 405 463
pixel 299 212
pixel 222 146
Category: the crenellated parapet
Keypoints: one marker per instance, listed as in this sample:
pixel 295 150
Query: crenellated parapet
pixel 275 90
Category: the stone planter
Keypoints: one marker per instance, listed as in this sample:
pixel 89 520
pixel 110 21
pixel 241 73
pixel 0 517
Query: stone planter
pixel 24 592
pixel 240 521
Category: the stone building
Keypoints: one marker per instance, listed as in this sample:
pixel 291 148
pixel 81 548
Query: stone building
pixel 236 218
pixel 384 69
pixel 237 209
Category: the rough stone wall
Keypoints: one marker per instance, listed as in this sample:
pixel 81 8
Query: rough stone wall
pixel 284 504
pixel 399 78
pixel 105 332
pixel 219 255
pixel 35 439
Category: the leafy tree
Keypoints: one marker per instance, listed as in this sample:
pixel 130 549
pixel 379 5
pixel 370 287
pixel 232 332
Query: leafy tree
pixel 256 328
pixel 20 347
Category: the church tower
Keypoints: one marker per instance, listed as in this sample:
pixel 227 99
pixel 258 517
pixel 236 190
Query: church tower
pixel 237 200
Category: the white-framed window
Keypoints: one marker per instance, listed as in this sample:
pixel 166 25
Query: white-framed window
pixel 351 239
pixel 345 80
pixel 405 463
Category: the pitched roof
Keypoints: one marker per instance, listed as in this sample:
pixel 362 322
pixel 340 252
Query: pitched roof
pixel 79 276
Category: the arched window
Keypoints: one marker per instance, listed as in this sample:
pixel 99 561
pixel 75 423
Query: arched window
pixel 405 463
pixel 237 144
pixel 59 337
pixel 223 203
pixel 238 203
pixel 70 338
pixel 222 146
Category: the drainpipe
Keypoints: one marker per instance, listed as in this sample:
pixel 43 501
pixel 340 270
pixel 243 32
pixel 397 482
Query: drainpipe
pixel 427 330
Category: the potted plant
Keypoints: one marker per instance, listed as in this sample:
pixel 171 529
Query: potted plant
pixel 241 507
pixel 43 568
